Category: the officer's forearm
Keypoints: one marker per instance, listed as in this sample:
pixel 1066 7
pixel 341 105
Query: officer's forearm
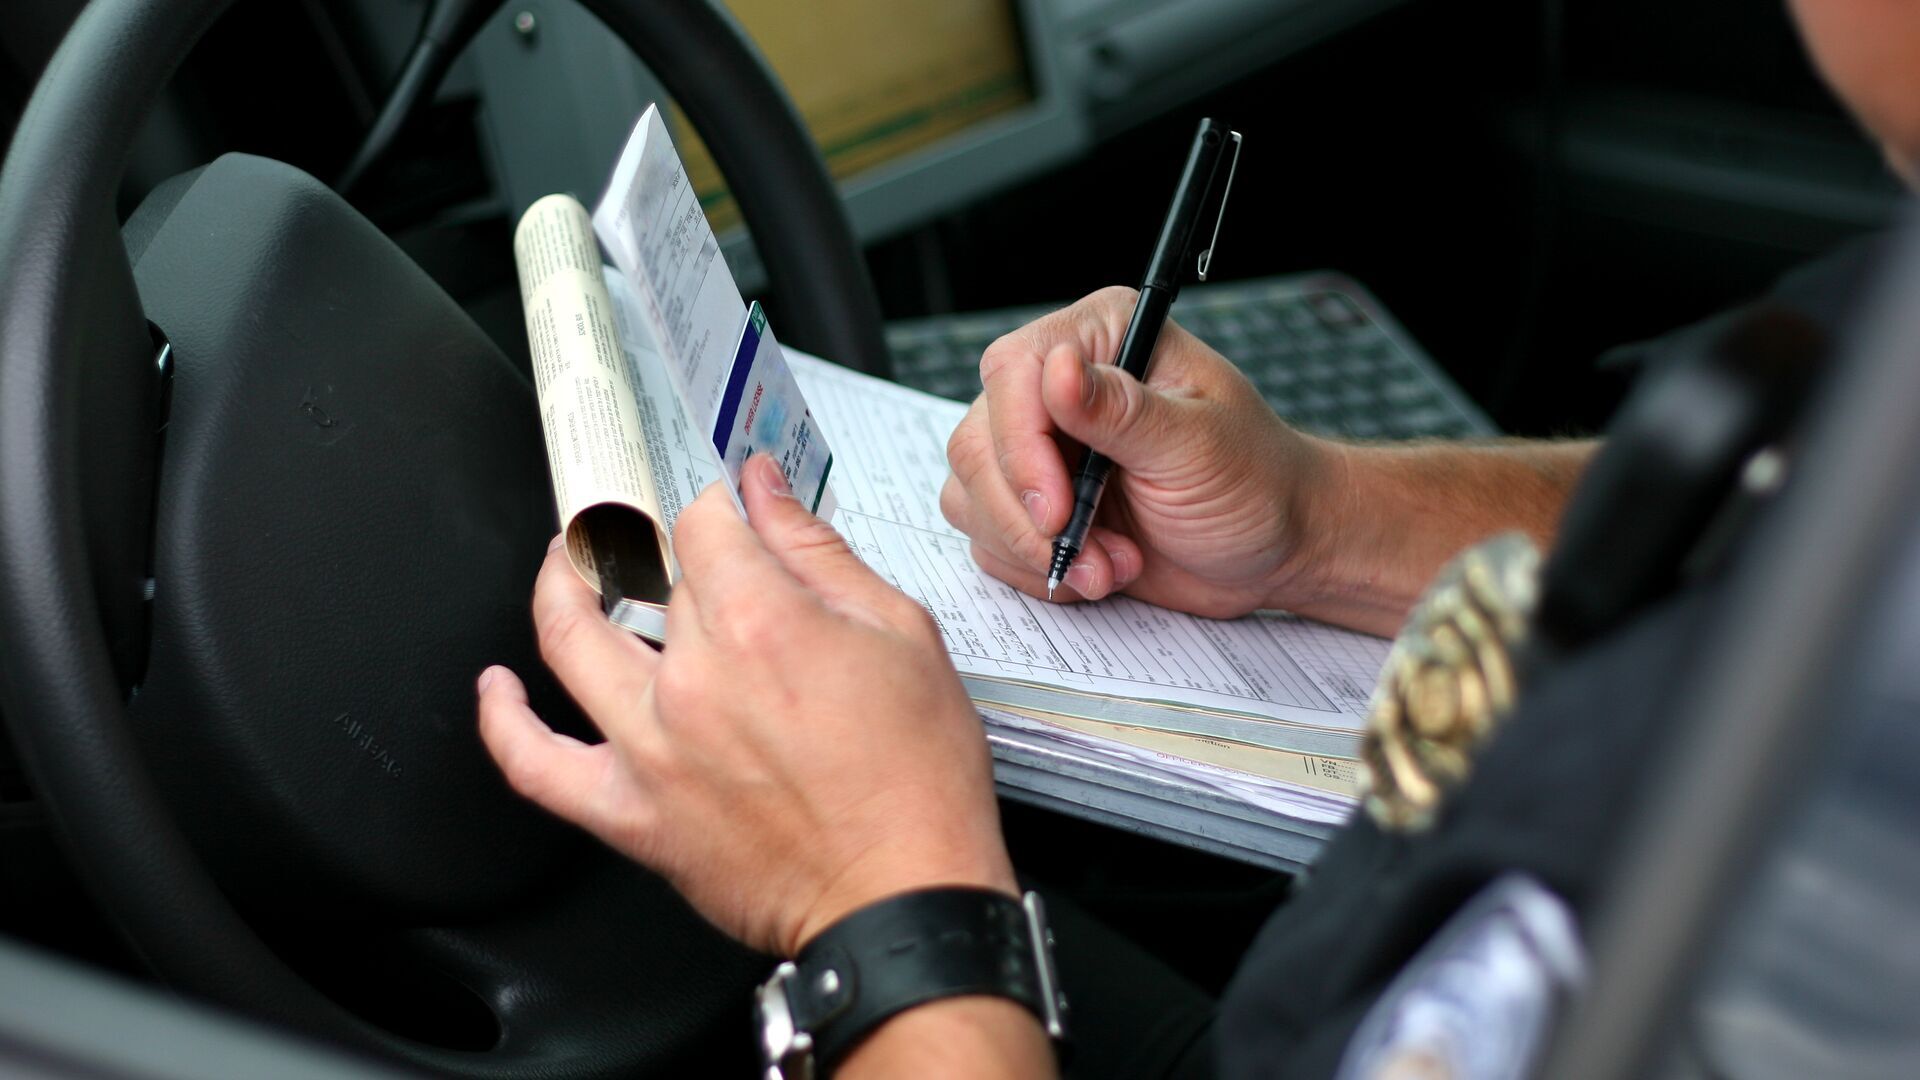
pixel 955 1039
pixel 1394 514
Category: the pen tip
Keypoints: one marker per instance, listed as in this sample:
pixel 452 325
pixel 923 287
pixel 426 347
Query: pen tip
pixel 1052 584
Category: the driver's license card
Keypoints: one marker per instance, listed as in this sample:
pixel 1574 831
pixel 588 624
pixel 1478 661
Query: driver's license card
pixel 761 411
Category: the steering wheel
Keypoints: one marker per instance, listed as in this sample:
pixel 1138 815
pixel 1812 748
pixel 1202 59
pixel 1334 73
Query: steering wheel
pixel 239 671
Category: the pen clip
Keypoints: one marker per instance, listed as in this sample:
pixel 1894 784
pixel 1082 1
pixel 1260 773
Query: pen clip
pixel 1206 257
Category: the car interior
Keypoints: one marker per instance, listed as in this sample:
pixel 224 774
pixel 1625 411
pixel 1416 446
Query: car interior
pixel 246 827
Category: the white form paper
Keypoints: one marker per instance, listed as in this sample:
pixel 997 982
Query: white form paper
pixel 651 223
pixel 721 355
pixel 892 462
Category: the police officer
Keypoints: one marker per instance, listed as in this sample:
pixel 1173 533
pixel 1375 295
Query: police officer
pixel 805 767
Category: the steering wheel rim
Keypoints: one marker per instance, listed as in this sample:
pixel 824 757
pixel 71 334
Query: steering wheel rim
pixel 67 305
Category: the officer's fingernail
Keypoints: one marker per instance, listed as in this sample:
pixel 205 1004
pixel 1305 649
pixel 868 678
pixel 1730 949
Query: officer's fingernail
pixel 1037 507
pixel 1123 568
pixel 486 680
pixel 776 480
pixel 553 545
pixel 1080 579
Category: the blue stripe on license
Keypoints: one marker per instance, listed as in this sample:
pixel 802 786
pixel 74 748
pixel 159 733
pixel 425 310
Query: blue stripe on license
pixel 737 380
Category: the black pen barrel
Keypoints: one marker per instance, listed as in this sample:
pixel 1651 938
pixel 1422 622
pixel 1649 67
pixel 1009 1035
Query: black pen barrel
pixel 1157 292
pixel 1175 242
pixel 1143 330
pixel 1086 501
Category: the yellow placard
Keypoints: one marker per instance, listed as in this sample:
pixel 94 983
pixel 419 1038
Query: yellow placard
pixel 874 79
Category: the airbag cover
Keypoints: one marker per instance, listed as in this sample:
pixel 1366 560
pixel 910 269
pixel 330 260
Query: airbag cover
pixel 353 504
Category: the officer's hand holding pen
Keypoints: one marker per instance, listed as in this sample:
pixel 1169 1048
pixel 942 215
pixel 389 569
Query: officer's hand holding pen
pixel 1213 494
pixel 1183 248
pixel 1198 522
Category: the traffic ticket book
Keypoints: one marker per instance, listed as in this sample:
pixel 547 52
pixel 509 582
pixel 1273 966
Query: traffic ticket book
pixel 656 379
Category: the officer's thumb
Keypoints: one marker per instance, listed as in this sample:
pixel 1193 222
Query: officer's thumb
pixel 1103 407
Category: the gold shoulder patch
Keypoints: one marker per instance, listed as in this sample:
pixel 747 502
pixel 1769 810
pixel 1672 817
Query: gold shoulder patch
pixel 1448 681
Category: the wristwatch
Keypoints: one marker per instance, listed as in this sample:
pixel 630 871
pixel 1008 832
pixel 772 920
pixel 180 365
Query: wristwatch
pixel 898 953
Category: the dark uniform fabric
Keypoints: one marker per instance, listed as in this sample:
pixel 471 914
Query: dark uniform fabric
pixel 1549 796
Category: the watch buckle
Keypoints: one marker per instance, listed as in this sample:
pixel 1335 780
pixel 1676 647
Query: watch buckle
pixel 788 1050
pixel 1053 1000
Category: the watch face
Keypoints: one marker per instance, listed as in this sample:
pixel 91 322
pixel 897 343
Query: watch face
pixel 788 1051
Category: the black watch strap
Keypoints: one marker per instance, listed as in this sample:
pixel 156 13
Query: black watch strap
pixel 920 947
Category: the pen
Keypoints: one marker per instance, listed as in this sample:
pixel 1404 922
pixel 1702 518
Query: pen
pixel 1178 238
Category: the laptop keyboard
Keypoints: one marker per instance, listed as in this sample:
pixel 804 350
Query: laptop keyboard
pixel 1323 352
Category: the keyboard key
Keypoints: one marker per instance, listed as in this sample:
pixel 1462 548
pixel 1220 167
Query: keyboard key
pixel 1404 392
pixel 1426 418
pixel 1336 310
pixel 1262 321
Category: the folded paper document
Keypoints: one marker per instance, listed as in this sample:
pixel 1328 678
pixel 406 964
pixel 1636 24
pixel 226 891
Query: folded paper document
pixel 656 379
pixel 652 374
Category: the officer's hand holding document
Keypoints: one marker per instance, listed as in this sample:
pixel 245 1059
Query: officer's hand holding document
pixel 656 379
